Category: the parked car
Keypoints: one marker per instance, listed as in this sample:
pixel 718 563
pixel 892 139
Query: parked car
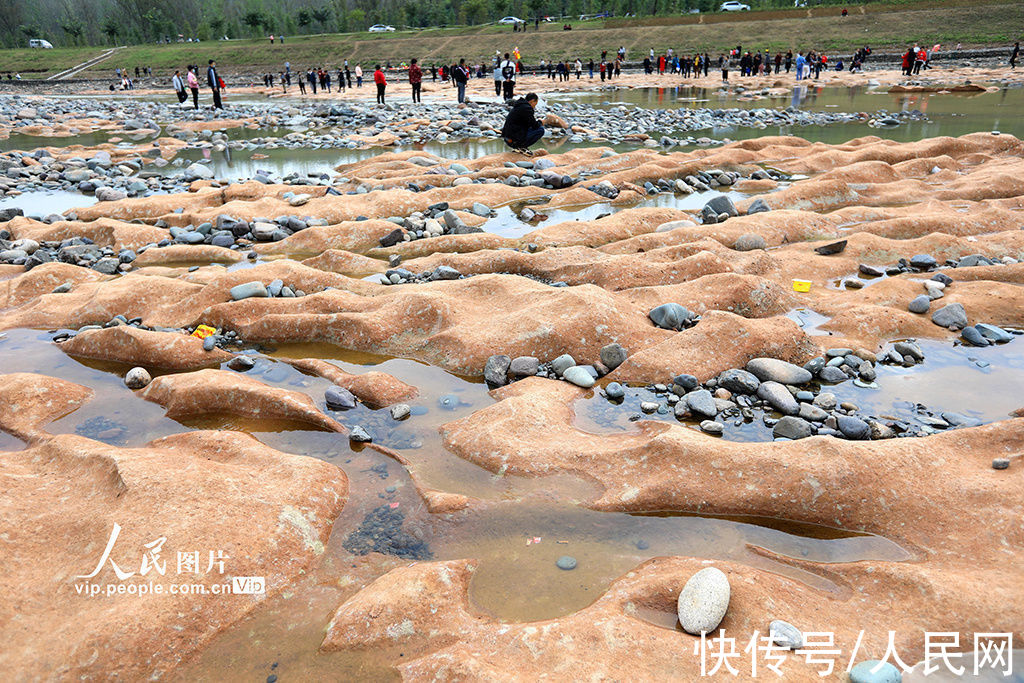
pixel 511 20
pixel 733 6
pixel 38 42
pixel 381 28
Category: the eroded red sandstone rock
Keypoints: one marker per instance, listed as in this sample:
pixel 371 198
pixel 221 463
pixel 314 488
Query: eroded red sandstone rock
pixel 28 402
pixel 268 512
pixel 213 392
pixel 149 349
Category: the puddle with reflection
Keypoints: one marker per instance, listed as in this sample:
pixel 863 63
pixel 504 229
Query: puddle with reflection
pixel 44 202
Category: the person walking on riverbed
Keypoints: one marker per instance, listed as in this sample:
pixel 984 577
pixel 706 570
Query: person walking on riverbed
pixel 215 82
pixel 381 82
pixel 1014 55
pixel 415 80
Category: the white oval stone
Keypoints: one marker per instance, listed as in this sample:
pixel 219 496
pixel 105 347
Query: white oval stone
pixel 703 601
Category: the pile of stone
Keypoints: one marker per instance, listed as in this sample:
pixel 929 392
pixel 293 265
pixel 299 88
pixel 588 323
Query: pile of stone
pixel 78 251
pixel 257 289
pixel 501 369
pixel 437 220
pixel 222 339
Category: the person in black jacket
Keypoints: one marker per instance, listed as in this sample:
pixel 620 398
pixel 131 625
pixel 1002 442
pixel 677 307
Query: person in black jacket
pixel 522 129
pixel 214 81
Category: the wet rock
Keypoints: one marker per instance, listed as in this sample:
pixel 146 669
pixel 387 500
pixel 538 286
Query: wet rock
pixel 110 194
pixel 496 370
pixel 790 427
pixel 784 634
pixel 722 204
pixel 832 375
pixel 445 273
pixel 749 242
pixel 923 261
pixel 248 290
pixel 812 413
pixel 614 391
pixel 562 363
pixel 776 370
pixel 566 563
pixel 830 249
pixel 758 206
pixel 400 411
pixel 739 381
pixel 241 363
pixel 993 333
pixel 909 348
pixel 703 602
pixel 853 427
pixel 701 402
pixel 919 304
pixel 712 427
pixel 613 355
pixel 359 435
pixel 951 316
pixel 670 316
pixel 579 376
pixel 972 336
pixel 874 671
pixel 523 366
pixel 339 398
pixel 198 171
pixel 136 378
pixel 1000 463
pixel 778 396
pixel 392 238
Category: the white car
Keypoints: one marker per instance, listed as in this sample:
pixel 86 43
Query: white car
pixel 733 6
pixel 381 28
pixel 38 42
pixel 510 20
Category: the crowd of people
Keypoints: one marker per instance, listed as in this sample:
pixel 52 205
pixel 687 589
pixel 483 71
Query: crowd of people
pixel 506 70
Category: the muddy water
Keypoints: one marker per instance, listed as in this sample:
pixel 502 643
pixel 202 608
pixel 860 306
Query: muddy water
pixel 516 530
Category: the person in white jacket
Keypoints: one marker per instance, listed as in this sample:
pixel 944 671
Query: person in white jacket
pixel 179 87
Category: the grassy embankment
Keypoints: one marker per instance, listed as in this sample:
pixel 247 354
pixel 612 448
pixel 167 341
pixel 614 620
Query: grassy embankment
pixel 884 26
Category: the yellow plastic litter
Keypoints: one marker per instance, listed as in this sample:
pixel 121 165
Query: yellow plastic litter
pixel 203 331
pixel 801 285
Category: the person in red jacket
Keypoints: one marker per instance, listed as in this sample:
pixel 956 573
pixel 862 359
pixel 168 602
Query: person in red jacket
pixel 382 83
pixel 415 80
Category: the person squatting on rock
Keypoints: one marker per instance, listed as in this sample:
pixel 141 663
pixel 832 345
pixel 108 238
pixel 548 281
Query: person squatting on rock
pixel 522 129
